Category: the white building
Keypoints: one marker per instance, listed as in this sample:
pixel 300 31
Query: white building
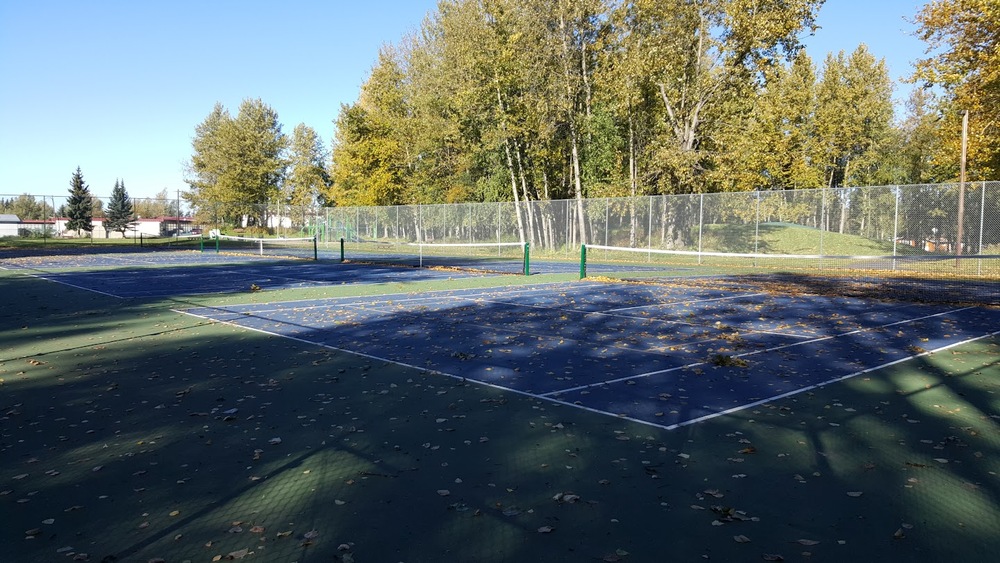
pixel 9 224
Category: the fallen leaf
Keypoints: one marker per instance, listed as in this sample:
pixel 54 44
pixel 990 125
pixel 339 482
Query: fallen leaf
pixel 741 539
pixel 545 529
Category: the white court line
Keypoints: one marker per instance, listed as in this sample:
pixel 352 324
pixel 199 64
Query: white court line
pixel 684 302
pixel 42 277
pixel 545 396
pixel 754 353
pixel 363 355
pixel 825 383
pixel 358 301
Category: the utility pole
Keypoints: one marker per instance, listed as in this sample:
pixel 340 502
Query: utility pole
pixel 961 187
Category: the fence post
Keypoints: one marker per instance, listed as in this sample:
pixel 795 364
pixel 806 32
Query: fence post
pixel 756 227
pixel 607 219
pixel 701 221
pixel 527 258
pixel 649 232
pixel 583 261
pixel 822 225
pixel 895 226
pixel 982 219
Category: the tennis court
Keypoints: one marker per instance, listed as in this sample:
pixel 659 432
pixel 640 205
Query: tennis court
pixel 153 407
pixel 664 354
pixel 660 355
pixel 174 273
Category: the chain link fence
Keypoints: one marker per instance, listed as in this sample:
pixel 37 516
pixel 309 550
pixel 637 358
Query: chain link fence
pixel 915 223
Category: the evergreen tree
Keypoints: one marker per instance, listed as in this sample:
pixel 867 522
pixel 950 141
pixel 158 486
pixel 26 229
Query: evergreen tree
pixel 120 214
pixel 80 205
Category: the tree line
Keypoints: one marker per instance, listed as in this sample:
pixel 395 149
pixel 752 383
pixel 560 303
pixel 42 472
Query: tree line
pixel 81 207
pixel 524 100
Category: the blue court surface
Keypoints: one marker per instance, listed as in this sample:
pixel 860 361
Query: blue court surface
pixel 664 356
pixel 169 274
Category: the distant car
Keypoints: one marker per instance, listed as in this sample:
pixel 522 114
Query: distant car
pixel 195 231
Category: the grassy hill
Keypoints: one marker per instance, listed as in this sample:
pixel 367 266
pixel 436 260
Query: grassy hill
pixel 787 238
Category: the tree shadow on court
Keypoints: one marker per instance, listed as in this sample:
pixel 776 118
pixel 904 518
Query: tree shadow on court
pixel 182 438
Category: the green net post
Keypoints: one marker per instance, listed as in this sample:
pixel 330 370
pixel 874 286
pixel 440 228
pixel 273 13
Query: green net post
pixel 217 239
pixel 527 259
pixel 583 261
pixel 315 249
pixel 201 243
pixel 341 249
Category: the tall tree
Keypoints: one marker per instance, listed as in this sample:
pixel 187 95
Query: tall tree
pixel 25 206
pixel 853 116
pixel 120 215
pixel 963 38
pixel 307 175
pixel 238 163
pixel 793 161
pixel 161 205
pixel 80 205
pixel 369 159
pixel 920 156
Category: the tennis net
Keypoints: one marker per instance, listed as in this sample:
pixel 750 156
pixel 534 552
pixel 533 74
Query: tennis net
pixel 304 247
pixel 503 257
pixel 973 279
pixel 182 242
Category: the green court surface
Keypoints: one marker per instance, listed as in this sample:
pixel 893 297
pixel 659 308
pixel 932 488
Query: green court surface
pixel 129 432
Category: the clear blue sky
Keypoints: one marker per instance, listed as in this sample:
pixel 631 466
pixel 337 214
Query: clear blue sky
pixel 117 87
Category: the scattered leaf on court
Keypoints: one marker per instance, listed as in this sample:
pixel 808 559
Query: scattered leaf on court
pixel 741 539
pixel 545 529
